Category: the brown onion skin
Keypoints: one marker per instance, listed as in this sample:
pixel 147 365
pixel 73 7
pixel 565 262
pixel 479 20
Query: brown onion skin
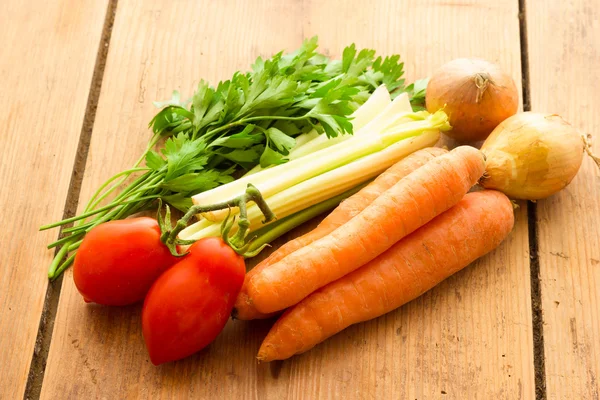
pixel 532 155
pixel 473 111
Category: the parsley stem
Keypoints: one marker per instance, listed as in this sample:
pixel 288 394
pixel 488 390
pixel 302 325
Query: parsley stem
pixel 252 119
pixel 63 266
pixel 87 226
pixel 95 200
pixel 65 239
pixel 183 127
pixel 57 259
pixel 75 246
pixel 89 213
pixel 123 198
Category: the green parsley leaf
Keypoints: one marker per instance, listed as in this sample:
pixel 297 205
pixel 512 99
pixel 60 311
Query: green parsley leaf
pixel 391 70
pixel 154 161
pixel 239 140
pixel 280 140
pixel 197 182
pixel 183 155
pixel 166 121
pixel 251 155
pixel 175 100
pixel 179 201
pixel 416 92
pixel 271 157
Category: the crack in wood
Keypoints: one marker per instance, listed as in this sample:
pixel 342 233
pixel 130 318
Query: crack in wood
pixel 536 291
pixel 37 367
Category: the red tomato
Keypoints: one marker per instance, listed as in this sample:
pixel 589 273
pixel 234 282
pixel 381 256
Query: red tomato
pixel 189 305
pixel 118 261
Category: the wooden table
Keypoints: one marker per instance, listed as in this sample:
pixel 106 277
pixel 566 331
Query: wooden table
pixel 77 83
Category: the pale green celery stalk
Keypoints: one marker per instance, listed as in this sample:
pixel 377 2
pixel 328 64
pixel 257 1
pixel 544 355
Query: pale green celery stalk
pixel 330 184
pixel 269 233
pixel 375 104
pixel 272 231
pixel 301 140
pixel 313 141
pixel 371 109
pixel 275 180
pixel 196 226
pixel 389 115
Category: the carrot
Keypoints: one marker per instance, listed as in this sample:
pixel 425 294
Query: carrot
pixel 412 202
pixel 472 228
pixel 350 207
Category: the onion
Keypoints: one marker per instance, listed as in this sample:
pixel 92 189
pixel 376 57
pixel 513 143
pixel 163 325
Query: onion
pixel 533 155
pixel 477 96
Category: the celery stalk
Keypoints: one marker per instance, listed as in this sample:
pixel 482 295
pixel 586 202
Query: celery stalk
pixel 301 140
pixel 304 138
pixel 275 180
pixel 376 103
pixel 390 114
pixel 312 141
pixel 196 226
pixel 331 183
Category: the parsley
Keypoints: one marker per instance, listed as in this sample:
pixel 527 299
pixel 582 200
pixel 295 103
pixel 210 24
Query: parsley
pixel 416 92
pixel 250 119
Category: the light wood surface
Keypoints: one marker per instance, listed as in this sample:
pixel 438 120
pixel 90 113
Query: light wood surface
pixel 564 54
pixel 469 337
pixel 46 66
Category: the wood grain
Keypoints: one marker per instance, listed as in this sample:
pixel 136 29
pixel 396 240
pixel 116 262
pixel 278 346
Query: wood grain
pixel 469 337
pixel 564 55
pixel 48 55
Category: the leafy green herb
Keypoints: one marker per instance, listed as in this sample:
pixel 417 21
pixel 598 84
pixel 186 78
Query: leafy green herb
pixel 282 142
pixel 416 92
pixel 250 119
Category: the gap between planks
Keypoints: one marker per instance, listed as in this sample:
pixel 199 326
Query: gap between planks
pixel 534 261
pixel 44 336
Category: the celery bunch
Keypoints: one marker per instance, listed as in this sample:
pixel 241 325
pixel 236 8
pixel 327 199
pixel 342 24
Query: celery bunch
pixel 332 166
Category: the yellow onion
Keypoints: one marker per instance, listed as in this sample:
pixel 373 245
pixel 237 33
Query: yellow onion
pixel 532 155
pixel 476 94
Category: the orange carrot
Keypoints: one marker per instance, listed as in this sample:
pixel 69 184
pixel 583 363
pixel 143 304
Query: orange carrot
pixel 353 205
pixel 472 228
pixel 350 207
pixel 409 204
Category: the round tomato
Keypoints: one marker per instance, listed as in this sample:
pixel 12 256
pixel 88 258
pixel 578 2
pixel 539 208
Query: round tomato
pixel 189 305
pixel 118 261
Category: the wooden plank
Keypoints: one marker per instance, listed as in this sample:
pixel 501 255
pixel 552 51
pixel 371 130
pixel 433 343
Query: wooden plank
pixel 564 43
pixel 469 336
pixel 48 55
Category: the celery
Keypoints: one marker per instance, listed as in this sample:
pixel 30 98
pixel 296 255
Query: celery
pixel 312 141
pixel 391 113
pixel 274 180
pixel 334 182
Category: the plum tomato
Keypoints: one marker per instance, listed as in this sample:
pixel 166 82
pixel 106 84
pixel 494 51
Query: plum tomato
pixel 189 304
pixel 118 261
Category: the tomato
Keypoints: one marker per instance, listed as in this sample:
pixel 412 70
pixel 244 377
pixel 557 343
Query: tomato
pixel 189 305
pixel 118 261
